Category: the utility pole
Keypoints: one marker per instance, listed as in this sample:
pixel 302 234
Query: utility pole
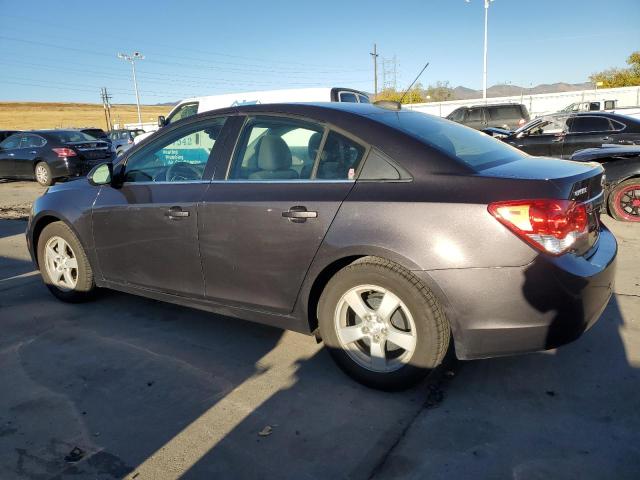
pixel 374 55
pixel 107 106
pixel 132 59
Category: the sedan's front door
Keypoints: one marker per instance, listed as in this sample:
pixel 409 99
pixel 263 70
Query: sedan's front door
pixel 543 138
pixel 8 150
pixel 27 154
pixel 262 224
pixel 146 230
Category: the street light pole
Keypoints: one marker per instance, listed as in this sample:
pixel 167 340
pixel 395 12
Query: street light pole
pixel 484 66
pixel 486 29
pixel 132 59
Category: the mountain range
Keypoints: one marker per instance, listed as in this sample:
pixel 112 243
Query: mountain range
pixel 507 90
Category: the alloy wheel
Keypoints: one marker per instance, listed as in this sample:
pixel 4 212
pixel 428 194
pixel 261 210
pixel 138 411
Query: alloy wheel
pixel 375 328
pixel 42 176
pixel 61 264
pixel 627 203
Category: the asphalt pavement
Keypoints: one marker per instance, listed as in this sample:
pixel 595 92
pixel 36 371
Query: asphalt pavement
pixel 125 387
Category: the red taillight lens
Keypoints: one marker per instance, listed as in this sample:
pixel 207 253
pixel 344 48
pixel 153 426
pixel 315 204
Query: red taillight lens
pixel 551 226
pixel 64 152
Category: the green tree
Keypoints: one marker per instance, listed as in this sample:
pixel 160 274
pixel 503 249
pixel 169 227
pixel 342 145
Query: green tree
pixel 620 77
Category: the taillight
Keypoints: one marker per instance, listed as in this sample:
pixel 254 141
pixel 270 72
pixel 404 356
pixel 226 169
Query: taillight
pixel 551 226
pixel 64 152
pixel 522 122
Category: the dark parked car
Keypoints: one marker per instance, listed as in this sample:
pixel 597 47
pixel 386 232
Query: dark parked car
pixel 49 155
pixel 392 235
pixel 505 115
pixel 7 133
pixel 622 187
pixel 96 133
pixel 560 135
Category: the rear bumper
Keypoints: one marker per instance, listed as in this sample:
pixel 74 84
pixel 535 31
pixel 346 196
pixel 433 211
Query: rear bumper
pixel 509 310
pixel 72 167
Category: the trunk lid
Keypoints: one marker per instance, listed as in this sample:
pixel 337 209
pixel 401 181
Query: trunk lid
pixel 92 150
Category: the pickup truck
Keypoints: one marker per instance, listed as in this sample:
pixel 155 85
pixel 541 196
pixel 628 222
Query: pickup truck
pixel 609 106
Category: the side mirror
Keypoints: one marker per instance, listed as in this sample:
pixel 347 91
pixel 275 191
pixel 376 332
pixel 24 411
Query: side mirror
pixel 101 174
pixel 161 121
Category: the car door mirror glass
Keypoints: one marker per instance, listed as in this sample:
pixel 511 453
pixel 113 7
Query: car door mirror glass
pixel 101 174
pixel 161 121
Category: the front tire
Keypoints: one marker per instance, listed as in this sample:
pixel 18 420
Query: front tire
pixel 382 326
pixel 64 264
pixel 624 201
pixel 43 175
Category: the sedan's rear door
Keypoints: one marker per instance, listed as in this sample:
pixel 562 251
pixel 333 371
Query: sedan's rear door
pixel 262 222
pixel 587 131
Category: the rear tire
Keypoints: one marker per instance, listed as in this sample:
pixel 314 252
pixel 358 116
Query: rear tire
pixel 43 175
pixel 64 264
pixel 624 201
pixel 393 305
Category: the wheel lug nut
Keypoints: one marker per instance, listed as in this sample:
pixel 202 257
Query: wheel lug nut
pixel 365 329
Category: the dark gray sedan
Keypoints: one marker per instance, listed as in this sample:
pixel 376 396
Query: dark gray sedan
pixel 391 235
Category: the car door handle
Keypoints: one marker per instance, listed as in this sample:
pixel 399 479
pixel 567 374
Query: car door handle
pixel 33 152
pixel 299 214
pixel 606 139
pixel 11 154
pixel 558 138
pixel 176 213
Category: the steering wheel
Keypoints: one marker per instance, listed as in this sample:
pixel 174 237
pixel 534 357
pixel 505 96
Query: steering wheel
pixel 182 171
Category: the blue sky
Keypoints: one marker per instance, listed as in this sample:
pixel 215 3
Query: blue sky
pixel 66 50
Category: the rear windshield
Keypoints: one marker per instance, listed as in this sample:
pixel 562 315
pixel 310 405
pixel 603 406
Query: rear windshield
pixel 466 145
pixel 71 136
pixel 97 133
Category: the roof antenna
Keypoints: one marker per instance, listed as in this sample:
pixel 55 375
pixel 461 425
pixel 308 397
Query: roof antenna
pixel 407 90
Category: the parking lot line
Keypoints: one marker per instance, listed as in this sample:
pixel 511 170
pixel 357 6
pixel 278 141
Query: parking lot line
pixel 23 275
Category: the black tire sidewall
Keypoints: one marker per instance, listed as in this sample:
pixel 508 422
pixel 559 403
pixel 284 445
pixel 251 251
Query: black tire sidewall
pixel 85 286
pixel 425 356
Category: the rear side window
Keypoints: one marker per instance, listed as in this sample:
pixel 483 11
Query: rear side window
pixel 457 115
pixel 505 112
pixel 339 159
pixel 32 141
pixel 273 148
pixel 363 99
pixel 589 124
pixel 465 145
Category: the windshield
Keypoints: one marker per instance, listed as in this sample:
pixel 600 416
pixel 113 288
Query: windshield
pixel 471 147
pixel 71 136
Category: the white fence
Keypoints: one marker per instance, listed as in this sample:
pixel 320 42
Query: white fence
pixel 538 104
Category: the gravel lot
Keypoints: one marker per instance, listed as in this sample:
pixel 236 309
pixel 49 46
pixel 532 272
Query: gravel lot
pixel 129 387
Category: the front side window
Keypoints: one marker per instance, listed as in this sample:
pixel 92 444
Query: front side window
pixel 474 115
pixel 184 111
pixel 11 142
pixel 548 126
pixel 348 97
pixel 271 148
pixel 179 157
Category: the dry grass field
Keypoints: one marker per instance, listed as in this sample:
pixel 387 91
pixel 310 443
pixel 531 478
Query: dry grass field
pixel 32 115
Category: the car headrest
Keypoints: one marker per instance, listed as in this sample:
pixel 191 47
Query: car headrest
pixel 273 154
pixel 314 144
